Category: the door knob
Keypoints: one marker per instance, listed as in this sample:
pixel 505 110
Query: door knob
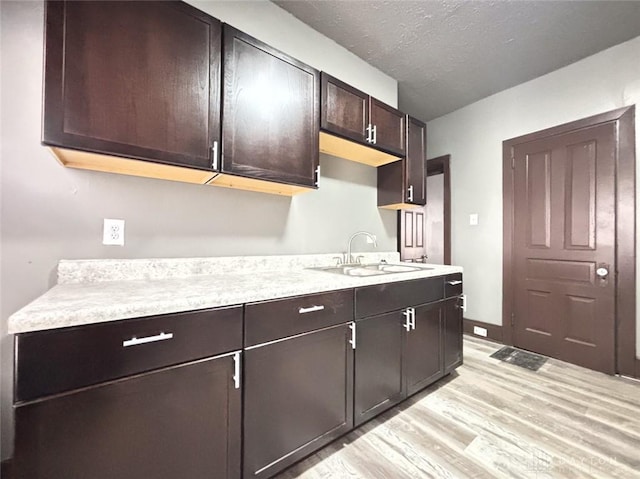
pixel 602 272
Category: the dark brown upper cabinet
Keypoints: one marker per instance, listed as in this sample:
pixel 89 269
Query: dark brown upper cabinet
pixel 132 81
pixel 403 184
pixel 357 127
pixel 270 116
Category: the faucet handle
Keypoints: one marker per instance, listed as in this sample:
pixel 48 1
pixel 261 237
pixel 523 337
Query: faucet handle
pixel 338 260
pixel 359 259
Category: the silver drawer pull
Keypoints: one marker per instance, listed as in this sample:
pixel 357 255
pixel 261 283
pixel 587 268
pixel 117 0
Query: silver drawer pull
pixel 148 339
pixel 454 283
pixel 310 309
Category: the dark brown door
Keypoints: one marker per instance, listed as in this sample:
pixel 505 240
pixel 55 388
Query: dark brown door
pixel 564 239
pixel 452 334
pixel 345 110
pixel 389 127
pixel 133 79
pixel 378 365
pixel 182 421
pixel 412 235
pixel 298 397
pixel 271 112
pixel 422 363
pixel 415 162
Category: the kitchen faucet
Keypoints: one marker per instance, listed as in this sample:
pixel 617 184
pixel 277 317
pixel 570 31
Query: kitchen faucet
pixel 349 259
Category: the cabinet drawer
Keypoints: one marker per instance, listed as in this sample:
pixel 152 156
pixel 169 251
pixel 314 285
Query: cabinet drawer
pixel 54 361
pixel 452 285
pixel 270 320
pixel 382 298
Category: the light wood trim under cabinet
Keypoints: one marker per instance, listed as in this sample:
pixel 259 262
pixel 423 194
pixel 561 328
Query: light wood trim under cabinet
pixel 350 150
pixel 147 169
pixel 400 206
pixel 126 166
pixel 261 186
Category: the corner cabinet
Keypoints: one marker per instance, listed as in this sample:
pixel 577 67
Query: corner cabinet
pixel 131 81
pixel 358 127
pixel 403 184
pixel 270 116
pixel 131 399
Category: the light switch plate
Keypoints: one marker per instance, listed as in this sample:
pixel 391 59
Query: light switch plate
pixel 473 219
pixel 113 232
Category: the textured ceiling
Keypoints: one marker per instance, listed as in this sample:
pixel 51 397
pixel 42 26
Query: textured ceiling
pixel 446 54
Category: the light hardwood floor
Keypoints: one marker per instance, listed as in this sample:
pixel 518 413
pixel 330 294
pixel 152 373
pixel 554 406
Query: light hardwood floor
pixel 491 419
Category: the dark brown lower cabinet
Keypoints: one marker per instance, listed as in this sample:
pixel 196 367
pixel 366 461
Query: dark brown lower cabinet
pixel 452 334
pixel 179 422
pixel 378 365
pixel 423 353
pixel 298 396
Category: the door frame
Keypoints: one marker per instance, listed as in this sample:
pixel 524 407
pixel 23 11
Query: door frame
pixel 436 166
pixel 625 243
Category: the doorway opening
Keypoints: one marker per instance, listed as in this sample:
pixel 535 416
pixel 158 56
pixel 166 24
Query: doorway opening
pixel 424 233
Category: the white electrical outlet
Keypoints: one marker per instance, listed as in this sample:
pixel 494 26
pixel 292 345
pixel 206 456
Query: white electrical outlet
pixel 473 219
pixel 478 331
pixel 113 232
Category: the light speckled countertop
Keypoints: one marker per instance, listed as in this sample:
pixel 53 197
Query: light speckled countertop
pixel 95 291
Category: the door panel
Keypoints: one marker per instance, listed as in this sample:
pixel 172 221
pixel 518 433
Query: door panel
pixel 390 127
pixel 423 354
pixel 416 158
pixel 136 79
pixel 345 110
pixel 298 397
pixel 182 421
pixel 378 365
pixel 412 234
pixel 564 223
pixel 452 334
pixel 270 112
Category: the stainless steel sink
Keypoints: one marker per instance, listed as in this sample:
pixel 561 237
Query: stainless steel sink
pixel 374 269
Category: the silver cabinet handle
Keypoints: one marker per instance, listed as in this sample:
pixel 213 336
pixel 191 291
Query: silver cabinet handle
pixel 407 314
pixel 147 339
pixel 369 131
pixel 374 138
pixel 410 194
pixel 317 175
pixel 236 370
pixel 214 161
pixel 310 309
pixel 352 341
pixel 454 282
pixel 413 318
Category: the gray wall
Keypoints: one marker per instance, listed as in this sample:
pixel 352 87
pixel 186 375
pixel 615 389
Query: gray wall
pixel 49 212
pixel 473 136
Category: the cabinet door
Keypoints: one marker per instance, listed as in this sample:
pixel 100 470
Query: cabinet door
pixel 378 365
pixel 416 180
pixel 422 355
pixel 271 112
pixel 389 133
pixel 182 421
pixel 345 110
pixel 298 397
pixel 133 79
pixel 452 334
